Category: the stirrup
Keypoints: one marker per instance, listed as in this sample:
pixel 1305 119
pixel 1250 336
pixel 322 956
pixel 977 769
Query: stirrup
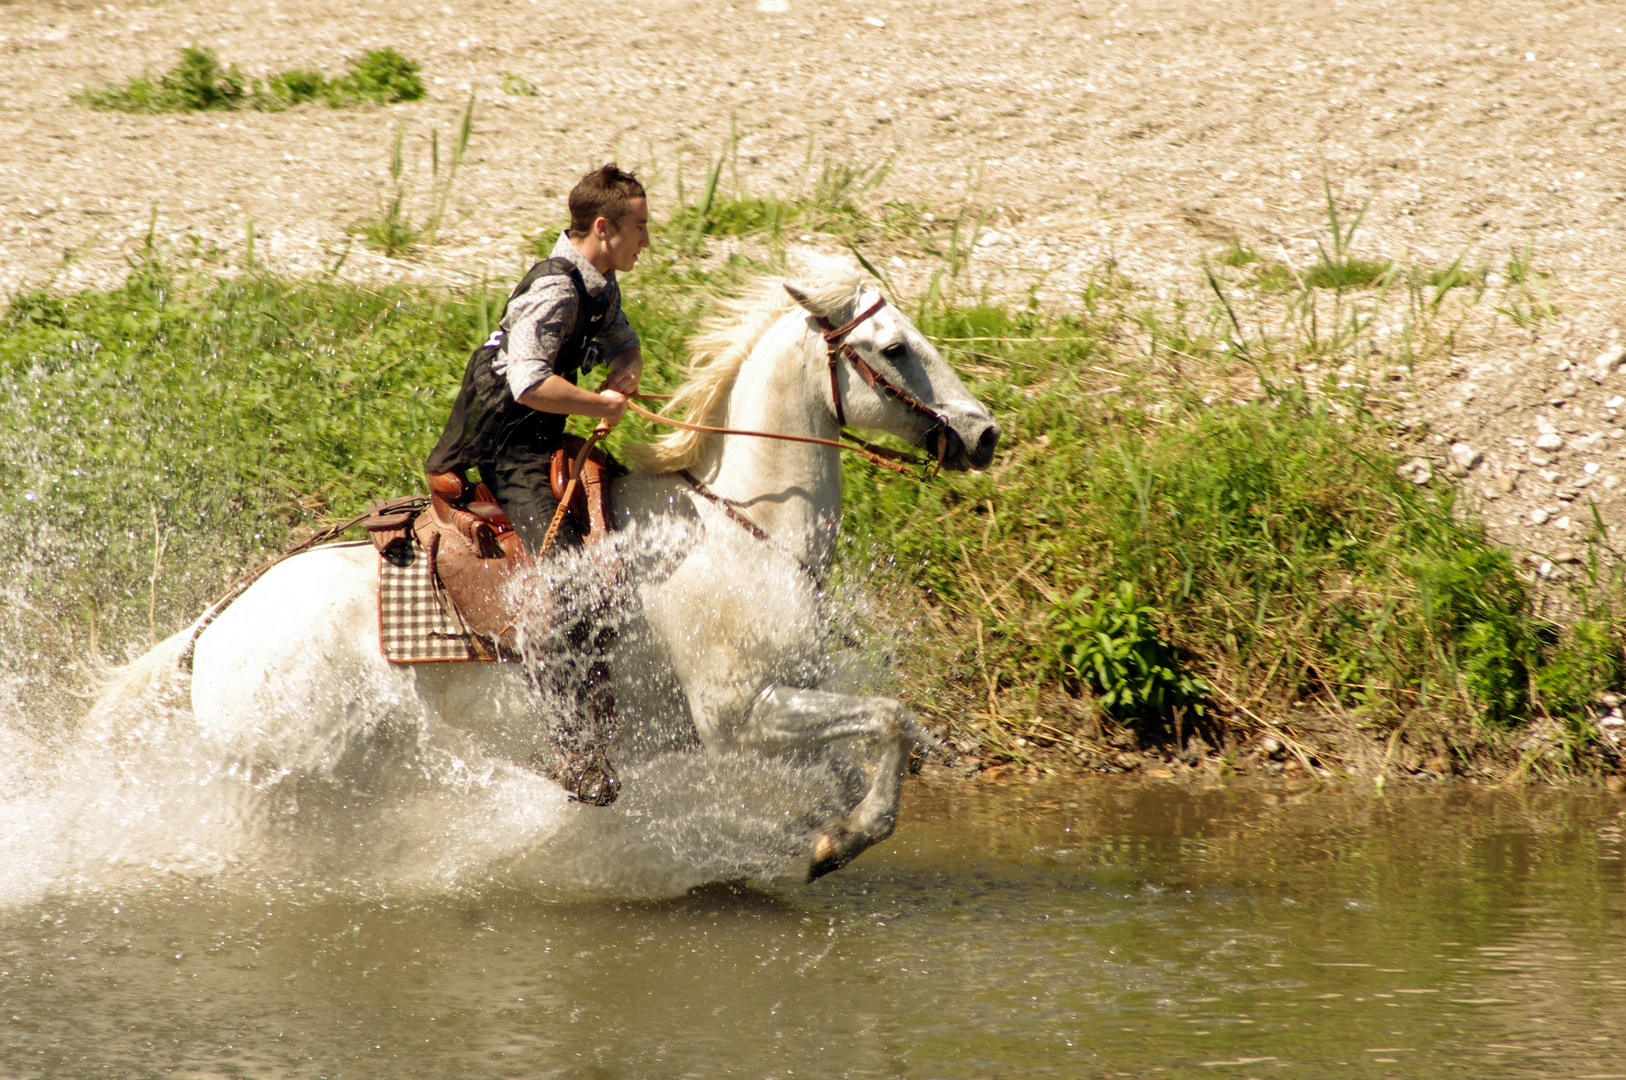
pixel 586 775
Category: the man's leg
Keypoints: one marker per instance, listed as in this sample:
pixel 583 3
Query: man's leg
pixel 582 731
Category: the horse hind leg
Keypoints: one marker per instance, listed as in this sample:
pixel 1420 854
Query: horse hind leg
pixel 789 719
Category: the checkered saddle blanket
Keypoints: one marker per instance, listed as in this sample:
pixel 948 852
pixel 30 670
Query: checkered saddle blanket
pixel 417 622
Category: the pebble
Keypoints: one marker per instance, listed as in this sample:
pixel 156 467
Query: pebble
pixel 1615 402
pixel 1562 523
pixel 1464 455
pixel 1590 467
pixel 1418 470
pixel 1538 517
pixel 1540 459
pixel 1610 357
pixel 1549 440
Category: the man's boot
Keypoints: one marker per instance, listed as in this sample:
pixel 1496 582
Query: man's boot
pixel 585 775
pixel 580 762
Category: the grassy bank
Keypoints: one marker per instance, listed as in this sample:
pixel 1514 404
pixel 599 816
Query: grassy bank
pixel 1195 546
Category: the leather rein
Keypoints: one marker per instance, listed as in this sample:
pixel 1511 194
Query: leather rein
pixel 835 345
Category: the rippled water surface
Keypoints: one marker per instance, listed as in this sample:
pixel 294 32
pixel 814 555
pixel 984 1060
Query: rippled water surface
pixel 1103 928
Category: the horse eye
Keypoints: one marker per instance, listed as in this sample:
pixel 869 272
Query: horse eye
pixel 895 351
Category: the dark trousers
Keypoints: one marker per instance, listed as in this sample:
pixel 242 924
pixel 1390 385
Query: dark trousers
pixel 583 631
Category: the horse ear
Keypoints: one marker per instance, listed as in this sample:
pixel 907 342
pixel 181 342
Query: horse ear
pixel 802 297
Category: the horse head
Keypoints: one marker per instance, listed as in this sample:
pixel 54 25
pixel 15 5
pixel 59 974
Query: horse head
pixel 879 372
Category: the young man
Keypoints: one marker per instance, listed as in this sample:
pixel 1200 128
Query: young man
pixel 562 319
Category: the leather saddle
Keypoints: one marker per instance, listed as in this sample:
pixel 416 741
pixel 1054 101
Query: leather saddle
pixel 473 548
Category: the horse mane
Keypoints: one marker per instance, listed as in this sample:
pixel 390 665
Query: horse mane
pixel 720 349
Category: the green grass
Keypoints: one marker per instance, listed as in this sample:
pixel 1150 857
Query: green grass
pixel 517 85
pixel 1187 526
pixel 198 82
pixel 1347 272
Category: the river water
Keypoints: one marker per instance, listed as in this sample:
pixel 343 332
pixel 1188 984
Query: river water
pixel 1097 928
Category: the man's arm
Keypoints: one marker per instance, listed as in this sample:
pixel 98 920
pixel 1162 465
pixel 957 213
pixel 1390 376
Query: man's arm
pixel 559 395
pixel 556 395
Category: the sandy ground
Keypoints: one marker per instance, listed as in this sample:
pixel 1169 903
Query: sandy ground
pixel 1146 133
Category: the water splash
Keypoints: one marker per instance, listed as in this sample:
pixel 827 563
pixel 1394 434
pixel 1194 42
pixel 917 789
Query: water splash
pixel 362 791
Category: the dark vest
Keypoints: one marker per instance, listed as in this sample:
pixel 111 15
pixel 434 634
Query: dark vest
pixel 487 424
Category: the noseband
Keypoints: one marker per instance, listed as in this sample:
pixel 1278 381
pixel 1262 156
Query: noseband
pixel 835 345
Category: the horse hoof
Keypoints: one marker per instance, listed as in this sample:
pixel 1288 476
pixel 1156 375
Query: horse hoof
pixel 828 856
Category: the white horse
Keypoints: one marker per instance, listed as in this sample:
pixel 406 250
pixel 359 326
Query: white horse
pixel 727 641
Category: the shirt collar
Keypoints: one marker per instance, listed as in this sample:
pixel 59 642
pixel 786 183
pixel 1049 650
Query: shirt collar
pixel 591 278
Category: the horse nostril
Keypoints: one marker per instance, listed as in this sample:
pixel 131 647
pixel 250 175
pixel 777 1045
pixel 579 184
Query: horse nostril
pixel 986 442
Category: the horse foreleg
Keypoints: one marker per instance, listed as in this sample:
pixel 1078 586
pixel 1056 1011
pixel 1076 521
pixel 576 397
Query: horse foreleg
pixel 787 719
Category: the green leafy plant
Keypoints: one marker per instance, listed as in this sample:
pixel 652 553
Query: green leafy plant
pixel 1236 253
pixel 1112 643
pixel 1527 305
pixel 196 82
pixel 833 205
pixel 295 87
pixel 381 75
pixel 1584 664
pixel 199 82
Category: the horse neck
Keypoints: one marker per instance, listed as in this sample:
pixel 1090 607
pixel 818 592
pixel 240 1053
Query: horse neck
pixel 792 490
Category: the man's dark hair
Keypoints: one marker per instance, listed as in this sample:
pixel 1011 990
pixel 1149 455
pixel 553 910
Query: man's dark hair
pixel 602 193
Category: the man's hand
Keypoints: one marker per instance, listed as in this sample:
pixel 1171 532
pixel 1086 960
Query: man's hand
pixel 625 371
pixel 614 407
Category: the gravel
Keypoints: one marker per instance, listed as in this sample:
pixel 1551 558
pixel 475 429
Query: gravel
pixel 1146 137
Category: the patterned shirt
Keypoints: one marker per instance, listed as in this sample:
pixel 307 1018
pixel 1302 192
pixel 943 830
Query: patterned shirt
pixel 541 318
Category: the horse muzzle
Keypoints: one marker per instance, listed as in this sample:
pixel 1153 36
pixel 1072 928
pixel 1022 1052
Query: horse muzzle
pixel 973 436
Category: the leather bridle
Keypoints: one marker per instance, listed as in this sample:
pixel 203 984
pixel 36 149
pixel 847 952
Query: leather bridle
pixel 835 345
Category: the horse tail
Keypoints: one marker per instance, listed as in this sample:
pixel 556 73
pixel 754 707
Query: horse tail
pixel 157 668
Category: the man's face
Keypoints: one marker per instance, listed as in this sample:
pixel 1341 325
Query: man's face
pixel 623 242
